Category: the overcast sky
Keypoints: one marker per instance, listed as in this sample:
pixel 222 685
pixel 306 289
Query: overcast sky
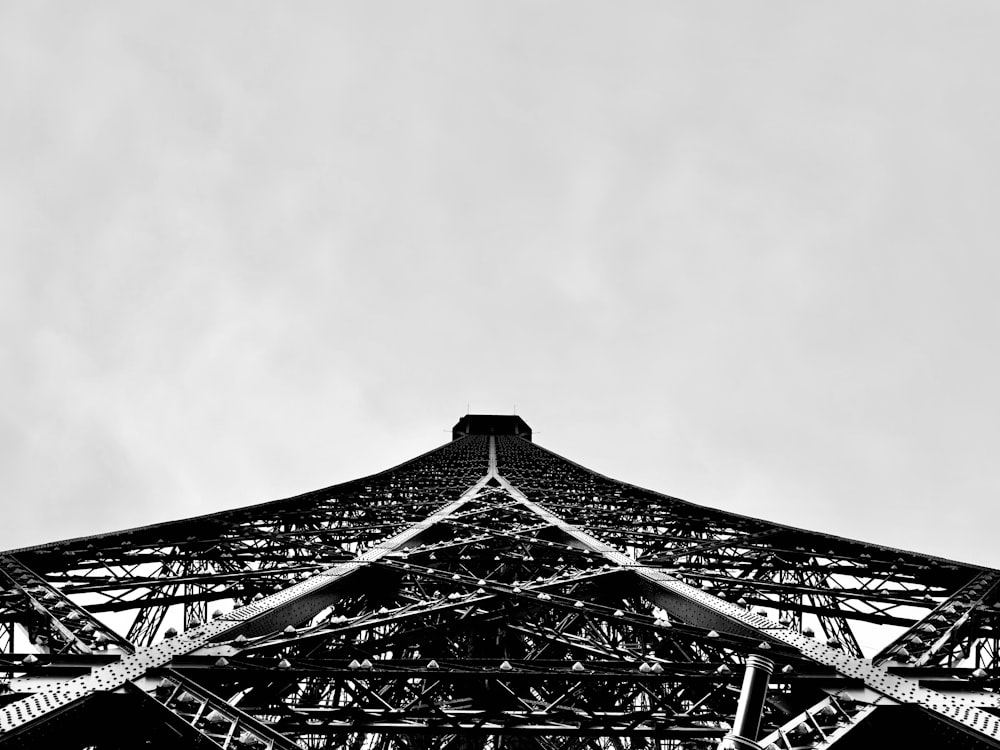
pixel 742 253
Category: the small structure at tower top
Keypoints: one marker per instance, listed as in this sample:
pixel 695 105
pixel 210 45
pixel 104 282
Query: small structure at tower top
pixel 491 424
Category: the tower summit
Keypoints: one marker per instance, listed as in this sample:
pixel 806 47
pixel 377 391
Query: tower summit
pixel 491 594
pixel 491 424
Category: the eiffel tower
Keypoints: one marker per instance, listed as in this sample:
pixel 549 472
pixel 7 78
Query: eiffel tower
pixel 492 594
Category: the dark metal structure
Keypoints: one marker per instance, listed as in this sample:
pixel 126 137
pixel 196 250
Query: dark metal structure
pixel 491 594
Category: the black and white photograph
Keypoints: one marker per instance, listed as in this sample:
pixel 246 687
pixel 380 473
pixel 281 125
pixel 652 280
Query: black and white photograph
pixel 499 376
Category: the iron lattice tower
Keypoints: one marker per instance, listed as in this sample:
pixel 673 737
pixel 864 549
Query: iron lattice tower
pixel 491 594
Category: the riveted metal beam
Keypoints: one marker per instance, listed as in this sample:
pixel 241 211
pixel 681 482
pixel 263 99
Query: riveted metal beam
pixel 703 608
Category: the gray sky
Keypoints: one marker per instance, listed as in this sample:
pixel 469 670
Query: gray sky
pixel 743 253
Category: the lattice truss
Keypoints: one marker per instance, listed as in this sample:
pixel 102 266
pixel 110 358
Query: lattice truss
pixel 488 594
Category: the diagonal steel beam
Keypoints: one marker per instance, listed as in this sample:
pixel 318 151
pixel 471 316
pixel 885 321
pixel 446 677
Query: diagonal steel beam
pixel 818 723
pixel 78 630
pixel 85 632
pixel 829 720
pixel 697 606
pixel 926 641
pixel 290 606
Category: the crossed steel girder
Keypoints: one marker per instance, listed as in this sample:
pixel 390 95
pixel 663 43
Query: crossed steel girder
pixel 306 577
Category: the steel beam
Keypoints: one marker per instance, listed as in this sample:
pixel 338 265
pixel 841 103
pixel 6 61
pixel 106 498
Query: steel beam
pixel 291 606
pixel 700 607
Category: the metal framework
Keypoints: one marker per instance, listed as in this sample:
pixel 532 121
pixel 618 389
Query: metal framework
pixel 491 594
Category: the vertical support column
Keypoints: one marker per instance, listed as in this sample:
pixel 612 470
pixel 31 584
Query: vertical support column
pixel 746 725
